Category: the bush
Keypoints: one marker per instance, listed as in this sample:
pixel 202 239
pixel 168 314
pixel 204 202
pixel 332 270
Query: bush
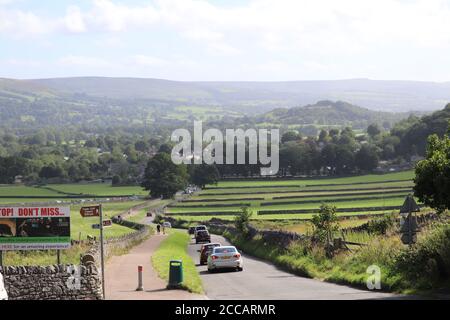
pixel 325 224
pixel 242 220
pixel 382 225
pixel 428 262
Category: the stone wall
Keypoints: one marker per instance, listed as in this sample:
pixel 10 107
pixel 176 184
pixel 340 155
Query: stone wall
pixel 218 226
pixel 65 282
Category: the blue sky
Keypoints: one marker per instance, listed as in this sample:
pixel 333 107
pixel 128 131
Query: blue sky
pixel 226 39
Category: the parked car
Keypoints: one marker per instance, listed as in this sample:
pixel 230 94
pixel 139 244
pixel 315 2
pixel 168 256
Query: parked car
pixel 202 236
pixel 199 228
pixel 225 258
pixel 191 230
pixel 167 225
pixel 3 293
pixel 206 251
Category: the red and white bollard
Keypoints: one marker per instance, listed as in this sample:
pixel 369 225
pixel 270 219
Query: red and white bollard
pixel 140 281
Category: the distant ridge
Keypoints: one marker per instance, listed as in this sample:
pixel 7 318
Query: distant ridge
pixel 393 96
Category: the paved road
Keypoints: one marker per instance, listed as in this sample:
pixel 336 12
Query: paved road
pixel 263 281
pixel 121 276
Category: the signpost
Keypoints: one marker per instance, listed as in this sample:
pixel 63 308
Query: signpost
pixel 97 211
pixel 409 228
pixel 89 212
pixel 106 224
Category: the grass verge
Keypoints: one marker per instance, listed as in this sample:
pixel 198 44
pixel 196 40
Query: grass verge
pixel 422 269
pixel 175 248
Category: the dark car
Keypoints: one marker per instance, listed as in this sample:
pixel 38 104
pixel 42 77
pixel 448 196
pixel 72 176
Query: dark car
pixel 191 230
pixel 199 228
pixel 203 236
pixel 206 251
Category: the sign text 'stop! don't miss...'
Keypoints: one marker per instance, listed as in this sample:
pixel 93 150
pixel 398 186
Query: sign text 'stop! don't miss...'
pixel 34 212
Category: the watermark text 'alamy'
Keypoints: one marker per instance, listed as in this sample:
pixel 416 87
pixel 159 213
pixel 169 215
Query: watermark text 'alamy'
pixel 213 153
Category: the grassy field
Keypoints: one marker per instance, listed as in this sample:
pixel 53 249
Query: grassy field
pixel 24 191
pixel 405 175
pixel 274 217
pixel 175 248
pixel 99 189
pixel 277 196
pixel 84 225
pixel 62 190
pixel 137 218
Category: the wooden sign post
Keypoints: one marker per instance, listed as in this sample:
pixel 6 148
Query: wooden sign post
pixel 97 211
pixel 410 227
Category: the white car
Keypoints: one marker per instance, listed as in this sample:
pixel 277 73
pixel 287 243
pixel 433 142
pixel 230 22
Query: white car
pixel 225 258
pixel 3 293
pixel 167 225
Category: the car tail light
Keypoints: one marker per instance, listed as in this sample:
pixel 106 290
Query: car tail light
pixel 237 255
pixel 214 257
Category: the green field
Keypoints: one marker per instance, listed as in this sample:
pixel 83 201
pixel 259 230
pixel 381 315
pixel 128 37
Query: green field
pixel 405 175
pixel 83 226
pixel 99 189
pixel 23 191
pixel 368 194
pixel 60 190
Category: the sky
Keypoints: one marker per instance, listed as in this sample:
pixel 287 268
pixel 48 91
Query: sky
pixel 228 40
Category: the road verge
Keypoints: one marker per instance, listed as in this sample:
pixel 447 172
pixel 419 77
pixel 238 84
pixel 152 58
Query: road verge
pixel 175 248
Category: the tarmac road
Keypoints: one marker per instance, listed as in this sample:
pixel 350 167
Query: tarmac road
pixel 261 280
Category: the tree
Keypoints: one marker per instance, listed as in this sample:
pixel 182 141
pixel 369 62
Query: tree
pixel 116 181
pixel 204 174
pixel 242 220
pixel 366 158
pixel 51 171
pixel 432 181
pixel 325 223
pixel 291 136
pixel 373 130
pixel 163 178
pixel 11 167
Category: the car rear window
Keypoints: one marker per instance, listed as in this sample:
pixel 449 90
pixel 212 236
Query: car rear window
pixel 203 232
pixel 201 228
pixel 225 250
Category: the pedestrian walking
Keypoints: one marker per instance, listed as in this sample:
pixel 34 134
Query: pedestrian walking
pixel 158 228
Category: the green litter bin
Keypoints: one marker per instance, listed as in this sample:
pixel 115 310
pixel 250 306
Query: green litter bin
pixel 175 274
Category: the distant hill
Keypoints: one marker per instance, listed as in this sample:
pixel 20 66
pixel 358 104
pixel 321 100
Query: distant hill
pixel 23 90
pixel 111 102
pixel 330 113
pixel 393 96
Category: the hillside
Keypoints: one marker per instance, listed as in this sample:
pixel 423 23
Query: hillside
pixel 111 102
pixel 19 90
pixel 393 96
pixel 330 113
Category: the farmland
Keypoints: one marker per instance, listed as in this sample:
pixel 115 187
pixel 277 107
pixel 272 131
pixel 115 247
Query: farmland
pixel 297 199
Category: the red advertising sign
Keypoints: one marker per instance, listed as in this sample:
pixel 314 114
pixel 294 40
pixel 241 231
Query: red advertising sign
pixel 34 228
pixel 88 212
